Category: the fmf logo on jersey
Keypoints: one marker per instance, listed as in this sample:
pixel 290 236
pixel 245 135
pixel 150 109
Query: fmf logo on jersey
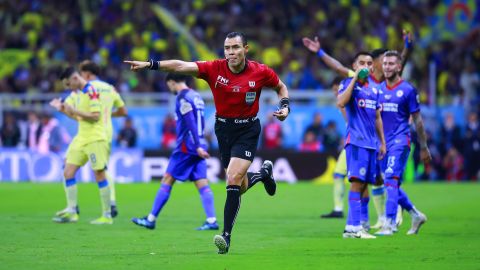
pixel 222 80
pixel 251 84
pixel 250 97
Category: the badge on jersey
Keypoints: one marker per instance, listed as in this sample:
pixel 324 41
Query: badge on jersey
pixel 185 106
pixel 250 97
pixel 251 84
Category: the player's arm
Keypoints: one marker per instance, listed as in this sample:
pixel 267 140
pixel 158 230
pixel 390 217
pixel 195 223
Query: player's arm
pixel 381 136
pixel 87 116
pixel 344 114
pixel 119 104
pixel 174 66
pixel 72 112
pixel 407 48
pixel 422 137
pixel 186 109
pixel 69 101
pixel 284 104
pixel 332 63
pixel 344 97
pixel 120 112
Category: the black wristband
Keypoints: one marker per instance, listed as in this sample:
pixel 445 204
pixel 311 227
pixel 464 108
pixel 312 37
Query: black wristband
pixel 285 103
pixel 154 65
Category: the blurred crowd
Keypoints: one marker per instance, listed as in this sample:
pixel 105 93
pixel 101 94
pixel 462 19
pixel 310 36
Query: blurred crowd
pixel 109 31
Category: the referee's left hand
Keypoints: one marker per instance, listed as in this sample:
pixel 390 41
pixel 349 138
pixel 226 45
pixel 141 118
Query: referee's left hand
pixel 281 114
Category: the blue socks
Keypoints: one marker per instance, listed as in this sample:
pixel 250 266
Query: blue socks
pixel 392 198
pixel 206 195
pixel 161 199
pixel 354 208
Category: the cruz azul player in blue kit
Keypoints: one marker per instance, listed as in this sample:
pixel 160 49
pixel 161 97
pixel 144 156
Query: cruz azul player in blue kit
pixel 360 101
pixel 399 100
pixel 188 159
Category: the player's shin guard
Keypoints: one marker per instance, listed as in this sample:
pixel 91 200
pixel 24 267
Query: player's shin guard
pixel 163 194
pixel 378 197
pixel 111 183
pixel 404 201
pixel 105 197
pixel 232 205
pixel 354 209
pixel 338 192
pixel 206 195
pixel 392 198
pixel 71 192
pixel 253 178
pixel 364 210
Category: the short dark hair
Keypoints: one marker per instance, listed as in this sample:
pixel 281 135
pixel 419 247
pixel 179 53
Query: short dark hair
pixel 90 66
pixel 394 53
pixel 361 53
pixel 67 72
pixel 238 34
pixel 177 77
pixel 378 52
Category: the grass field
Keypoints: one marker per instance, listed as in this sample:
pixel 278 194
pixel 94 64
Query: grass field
pixel 283 232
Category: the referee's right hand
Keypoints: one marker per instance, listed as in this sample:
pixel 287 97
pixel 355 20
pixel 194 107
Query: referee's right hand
pixel 137 65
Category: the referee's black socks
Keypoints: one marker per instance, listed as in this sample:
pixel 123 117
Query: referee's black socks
pixel 232 205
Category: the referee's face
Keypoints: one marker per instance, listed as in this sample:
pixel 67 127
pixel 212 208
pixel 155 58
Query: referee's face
pixel 235 51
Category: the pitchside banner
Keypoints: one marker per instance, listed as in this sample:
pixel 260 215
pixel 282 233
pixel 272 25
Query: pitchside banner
pixel 129 166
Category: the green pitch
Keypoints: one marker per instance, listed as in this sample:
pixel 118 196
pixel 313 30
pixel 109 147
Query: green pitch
pixel 281 232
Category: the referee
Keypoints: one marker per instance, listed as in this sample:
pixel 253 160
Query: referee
pixel 236 84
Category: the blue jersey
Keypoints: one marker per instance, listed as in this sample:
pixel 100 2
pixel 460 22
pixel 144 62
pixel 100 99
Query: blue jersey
pixel 361 114
pixel 189 111
pixel 397 104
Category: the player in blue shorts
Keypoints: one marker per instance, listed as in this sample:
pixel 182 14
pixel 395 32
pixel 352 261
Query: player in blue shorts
pixel 375 80
pixel 360 101
pixel 187 161
pixel 399 100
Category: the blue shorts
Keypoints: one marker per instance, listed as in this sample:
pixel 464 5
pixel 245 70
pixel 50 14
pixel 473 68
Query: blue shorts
pixel 187 167
pixel 361 163
pixel 395 162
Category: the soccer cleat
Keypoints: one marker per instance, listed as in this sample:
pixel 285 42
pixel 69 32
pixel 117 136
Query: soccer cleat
pixel 222 242
pixel 418 220
pixel 208 226
pixel 380 223
pixel 399 219
pixel 333 214
pixel 385 231
pixel 268 181
pixel 144 223
pixel 65 217
pixel 359 234
pixel 102 221
pixel 113 211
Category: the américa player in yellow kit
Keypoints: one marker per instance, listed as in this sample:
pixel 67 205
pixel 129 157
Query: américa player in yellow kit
pixel 90 144
pixel 110 100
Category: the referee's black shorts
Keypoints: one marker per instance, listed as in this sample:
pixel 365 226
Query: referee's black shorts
pixel 237 137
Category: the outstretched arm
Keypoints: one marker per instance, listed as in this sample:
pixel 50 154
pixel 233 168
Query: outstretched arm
pixel 422 137
pixel 407 48
pixel 174 66
pixel 332 63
